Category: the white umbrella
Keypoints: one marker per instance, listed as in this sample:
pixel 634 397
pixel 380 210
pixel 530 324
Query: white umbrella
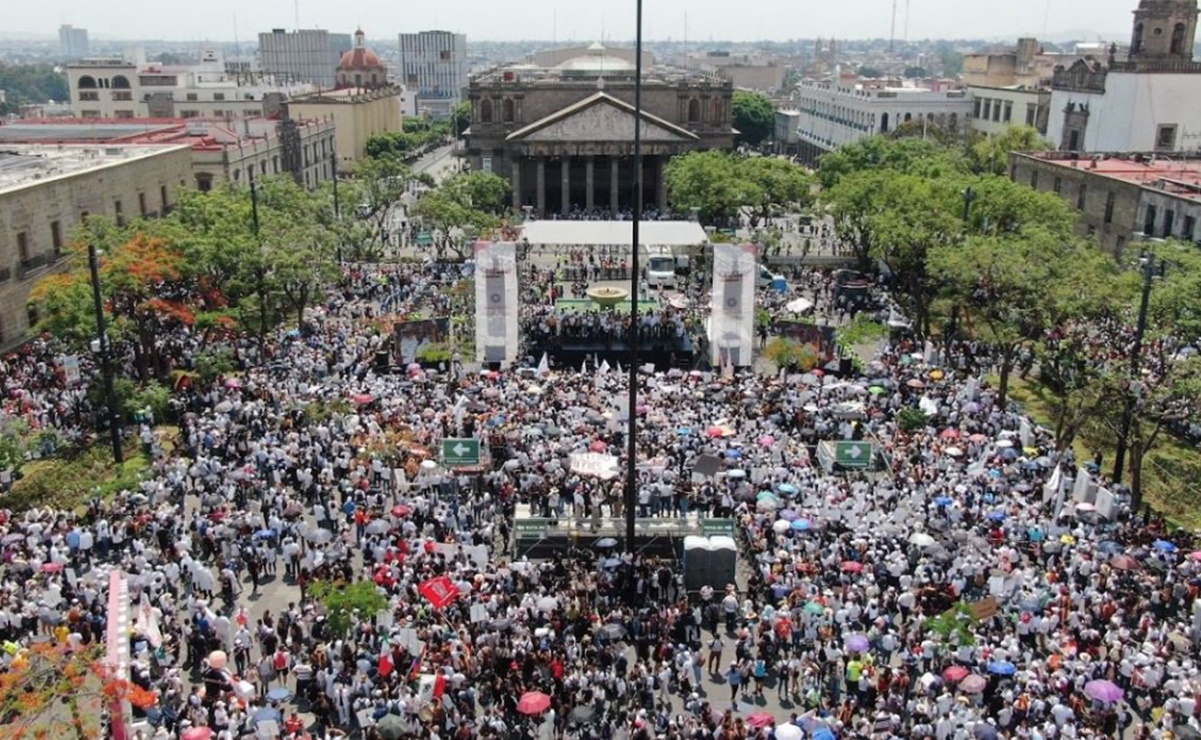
pixel 379 526
pixel 788 732
pixel 921 539
pixel 547 604
pixel 799 305
pixel 954 452
pixel 780 526
pixel 319 535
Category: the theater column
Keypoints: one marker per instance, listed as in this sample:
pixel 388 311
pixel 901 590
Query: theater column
pixel 614 193
pixel 589 180
pixel 515 180
pixel 565 166
pixel 541 183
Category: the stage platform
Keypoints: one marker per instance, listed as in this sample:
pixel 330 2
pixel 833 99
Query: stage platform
pixel 539 538
pixel 663 353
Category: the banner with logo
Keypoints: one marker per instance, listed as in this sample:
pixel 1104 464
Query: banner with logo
pixel 732 325
pixel 496 302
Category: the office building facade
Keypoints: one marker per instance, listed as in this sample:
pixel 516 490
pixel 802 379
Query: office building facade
pixel 305 56
pixel 74 42
pixel 433 71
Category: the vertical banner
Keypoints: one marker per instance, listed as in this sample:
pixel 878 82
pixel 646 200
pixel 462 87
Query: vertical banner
pixel 732 323
pixel 496 299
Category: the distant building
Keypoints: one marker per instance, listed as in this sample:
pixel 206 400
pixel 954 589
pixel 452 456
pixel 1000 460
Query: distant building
pixel 1147 102
pixel 831 115
pixel 745 71
pixel 306 55
pixel 995 109
pixel 562 135
pixel 73 42
pixel 46 191
pixel 433 71
pixel 1122 198
pixel 555 57
pixel 786 139
pixel 116 88
pixel 362 105
pixel 222 150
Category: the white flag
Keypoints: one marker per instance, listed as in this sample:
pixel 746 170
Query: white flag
pixel 619 367
pixel 604 368
pixel 1026 434
pixel 544 365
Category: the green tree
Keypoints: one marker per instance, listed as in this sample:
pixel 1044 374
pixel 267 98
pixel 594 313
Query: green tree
pixel 754 116
pixel 348 604
pixel 990 155
pixel 461 117
pixel 483 191
pixel 31 83
pixel 709 182
pixel 1001 206
pixel 870 72
pixel 377 186
pixel 952 63
pixel 912 73
pixel 777 184
pixel 907 155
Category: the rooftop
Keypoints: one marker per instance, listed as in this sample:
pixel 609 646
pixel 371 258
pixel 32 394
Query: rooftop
pixel 1178 174
pixel 607 233
pixel 23 165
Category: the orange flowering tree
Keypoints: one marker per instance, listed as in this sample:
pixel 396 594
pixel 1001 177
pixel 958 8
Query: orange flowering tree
pixel 49 691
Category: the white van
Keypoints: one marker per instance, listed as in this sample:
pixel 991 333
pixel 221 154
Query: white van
pixel 661 269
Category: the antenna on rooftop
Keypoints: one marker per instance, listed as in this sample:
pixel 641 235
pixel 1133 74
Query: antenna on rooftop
pixel 905 34
pixel 296 9
pixel 892 32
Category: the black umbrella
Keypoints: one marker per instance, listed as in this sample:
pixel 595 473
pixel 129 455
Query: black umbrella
pixel 582 714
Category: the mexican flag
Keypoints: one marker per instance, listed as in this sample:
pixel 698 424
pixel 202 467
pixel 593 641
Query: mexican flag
pixel 430 686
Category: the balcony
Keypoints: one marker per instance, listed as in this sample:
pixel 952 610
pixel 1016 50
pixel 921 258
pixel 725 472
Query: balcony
pixel 89 95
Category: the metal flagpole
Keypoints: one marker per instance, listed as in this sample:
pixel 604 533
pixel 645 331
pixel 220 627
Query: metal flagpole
pixel 631 492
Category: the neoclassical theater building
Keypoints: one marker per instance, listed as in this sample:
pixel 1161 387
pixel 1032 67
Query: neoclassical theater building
pixel 564 135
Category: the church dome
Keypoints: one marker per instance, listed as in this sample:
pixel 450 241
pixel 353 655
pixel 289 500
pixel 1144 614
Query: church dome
pixel 360 58
pixel 597 60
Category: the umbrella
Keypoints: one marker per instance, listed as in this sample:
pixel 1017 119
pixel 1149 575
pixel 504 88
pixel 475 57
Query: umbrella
pixel 790 515
pixel 955 674
pixel 997 516
pixel 921 539
pixel 823 733
pixel 11 538
pixel 803 525
pixel 197 733
pixel 761 720
pixel 734 454
pixel 379 526
pixel 363 398
pixel 605 542
pixel 943 501
pixel 984 731
pixel 1182 642
pixel 582 714
pixel 547 604
pixel 949 433
pixel 1194 555
pixel 767 440
pixel 852 566
pixel 612 631
pixel 972 684
pixel 401 510
pixel 1124 562
pixel 533 702
pixel 780 526
pixel 857 644
pixel 814 608
pixel 789 732
pixel 1002 668
pixel 279 693
pixel 266 714
pixel 265 534
pixel 598 446
pixel 1005 443
pixel 787 489
pixel 1186 732
pixel 736 473
pixel 915 383
pixel 1103 691
pixel 51 567
pixel 1163 546
pixel 390 727
pixel 319 535
pixel 875 390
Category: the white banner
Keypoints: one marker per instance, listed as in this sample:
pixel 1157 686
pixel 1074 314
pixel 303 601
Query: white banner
pixel 595 464
pixel 496 302
pixel 732 326
pixel 1085 490
pixel 1104 502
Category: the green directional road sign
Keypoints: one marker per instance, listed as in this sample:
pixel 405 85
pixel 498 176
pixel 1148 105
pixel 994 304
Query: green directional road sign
pixel 460 451
pixel 528 528
pixel 855 455
pixel 717 526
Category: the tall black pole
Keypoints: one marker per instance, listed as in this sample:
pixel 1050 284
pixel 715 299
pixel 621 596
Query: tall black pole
pixel 631 492
pixel 333 168
pixel 106 368
pixel 254 204
pixel 1119 462
pixel 969 195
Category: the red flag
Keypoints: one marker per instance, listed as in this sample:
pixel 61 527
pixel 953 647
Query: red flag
pixel 439 591
pixel 385 664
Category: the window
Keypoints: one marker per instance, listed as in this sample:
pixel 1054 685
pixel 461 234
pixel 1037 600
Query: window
pixel 1165 137
pixel 1177 39
pixel 694 111
pixel 191 97
pixel 444 55
pixel 1149 221
pixel 1073 141
pixel 996 111
pixel 1109 200
pixel 122 114
pixel 976 108
pixel 1008 116
pixel 507 110
pixel 1169 217
pixel 120 82
pixel 1136 45
pixel 987 109
pixel 1190 227
pixel 87 82
pixel 122 96
pixel 162 197
pixel 23 245
pixel 1058 185
pixel 142 203
pixel 204 182
pixel 56 236
pixel 1081 196
pixel 189 114
pixel 1034 179
pixel 117 209
pixel 884 123
pixel 485 111
pixel 89 95
pixel 218 96
pixel 89 114
pixel 1031 113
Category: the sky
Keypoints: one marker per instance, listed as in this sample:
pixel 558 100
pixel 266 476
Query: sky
pixel 740 20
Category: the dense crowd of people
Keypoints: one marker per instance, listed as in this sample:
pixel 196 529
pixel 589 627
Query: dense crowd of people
pixel 1071 624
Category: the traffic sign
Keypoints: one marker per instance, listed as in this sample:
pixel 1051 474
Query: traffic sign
pixel 717 526
pixel 857 455
pixel 531 528
pixel 460 451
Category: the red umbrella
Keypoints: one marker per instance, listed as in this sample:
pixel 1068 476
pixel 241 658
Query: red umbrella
pixel 533 702
pixel 400 510
pixel 363 398
pixel 955 674
pixel 949 433
pixel 196 733
pixel 852 566
pixel 973 684
pixel 760 719
pixel 1124 562
pixel 598 446
pixel 51 567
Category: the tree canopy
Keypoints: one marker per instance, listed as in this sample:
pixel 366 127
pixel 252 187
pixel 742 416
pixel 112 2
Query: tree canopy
pixel 720 185
pixel 31 83
pixel 990 154
pixel 754 116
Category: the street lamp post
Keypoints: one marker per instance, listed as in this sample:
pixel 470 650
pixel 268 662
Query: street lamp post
pixel 106 368
pixel 631 493
pixel 1119 463
pixel 333 166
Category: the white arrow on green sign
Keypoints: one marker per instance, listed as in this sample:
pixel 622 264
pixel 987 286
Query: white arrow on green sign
pixel 853 454
pixel 460 451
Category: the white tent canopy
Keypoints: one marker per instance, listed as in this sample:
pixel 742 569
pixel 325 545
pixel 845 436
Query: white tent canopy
pixel 613 233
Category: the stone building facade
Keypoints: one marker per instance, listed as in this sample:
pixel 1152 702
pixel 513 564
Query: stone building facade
pixel 563 136
pixel 46 191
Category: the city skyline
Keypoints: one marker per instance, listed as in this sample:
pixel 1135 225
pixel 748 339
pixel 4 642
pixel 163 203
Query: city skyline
pixel 517 20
